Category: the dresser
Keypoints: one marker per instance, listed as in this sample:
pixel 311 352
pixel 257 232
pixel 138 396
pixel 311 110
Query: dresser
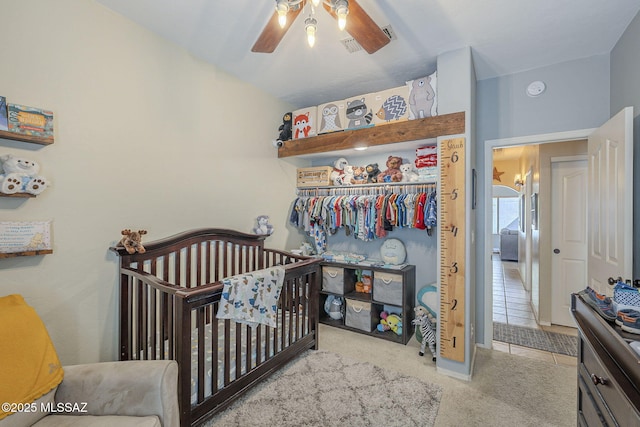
pixel 608 371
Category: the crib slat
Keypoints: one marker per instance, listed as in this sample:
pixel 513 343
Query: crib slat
pixel 201 348
pixel 227 351
pixel 249 352
pixel 152 322
pixel 214 351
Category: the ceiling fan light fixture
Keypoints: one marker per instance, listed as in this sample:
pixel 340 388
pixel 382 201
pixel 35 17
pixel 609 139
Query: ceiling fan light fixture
pixel 315 3
pixel 282 7
pixel 342 10
pixel 310 27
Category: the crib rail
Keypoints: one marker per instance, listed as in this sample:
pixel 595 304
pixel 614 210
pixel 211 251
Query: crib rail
pixel 169 300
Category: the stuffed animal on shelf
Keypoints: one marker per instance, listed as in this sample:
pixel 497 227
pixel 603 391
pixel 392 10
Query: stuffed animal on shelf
pixel 408 173
pixel 393 172
pixel 390 322
pixel 285 128
pixel 20 175
pixel 426 330
pixel 337 175
pixel 359 175
pixel 372 171
pixel 263 226
pixel 132 241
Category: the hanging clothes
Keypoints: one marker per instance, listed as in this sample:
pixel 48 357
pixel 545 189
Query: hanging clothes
pixel 369 215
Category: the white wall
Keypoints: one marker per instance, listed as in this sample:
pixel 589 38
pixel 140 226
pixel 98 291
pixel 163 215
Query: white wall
pixel 146 137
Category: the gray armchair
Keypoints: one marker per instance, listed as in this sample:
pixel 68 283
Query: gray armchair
pixel 128 393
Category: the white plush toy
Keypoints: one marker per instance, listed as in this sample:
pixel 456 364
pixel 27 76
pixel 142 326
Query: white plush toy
pixel 20 175
pixel 337 176
pixel 408 174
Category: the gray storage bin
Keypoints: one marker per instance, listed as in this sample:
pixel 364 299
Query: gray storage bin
pixel 361 315
pixel 387 288
pixel 333 280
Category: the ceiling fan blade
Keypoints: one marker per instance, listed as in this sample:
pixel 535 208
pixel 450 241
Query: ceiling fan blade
pixel 362 28
pixel 272 34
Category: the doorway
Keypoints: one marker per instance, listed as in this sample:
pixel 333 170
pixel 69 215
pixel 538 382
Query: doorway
pixel 537 293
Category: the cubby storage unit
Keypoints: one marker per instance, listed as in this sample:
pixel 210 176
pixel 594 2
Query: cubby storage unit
pixel 393 291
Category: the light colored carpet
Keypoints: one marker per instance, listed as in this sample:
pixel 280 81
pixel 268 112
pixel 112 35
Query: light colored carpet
pixel 322 388
pixel 505 390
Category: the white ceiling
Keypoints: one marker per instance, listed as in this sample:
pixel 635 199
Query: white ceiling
pixel 506 36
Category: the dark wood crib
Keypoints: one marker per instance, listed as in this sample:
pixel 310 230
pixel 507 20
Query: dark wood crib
pixel 169 298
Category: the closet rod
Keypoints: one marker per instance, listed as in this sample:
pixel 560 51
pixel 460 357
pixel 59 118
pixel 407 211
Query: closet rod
pixel 367 189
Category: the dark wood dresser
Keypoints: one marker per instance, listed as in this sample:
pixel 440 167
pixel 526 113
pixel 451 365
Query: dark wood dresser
pixel 608 371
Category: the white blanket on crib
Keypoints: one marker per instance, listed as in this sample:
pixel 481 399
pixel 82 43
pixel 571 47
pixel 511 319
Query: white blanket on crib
pixel 252 298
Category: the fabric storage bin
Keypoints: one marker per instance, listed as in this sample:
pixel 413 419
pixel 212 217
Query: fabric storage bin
pixel 361 315
pixel 387 288
pixel 333 280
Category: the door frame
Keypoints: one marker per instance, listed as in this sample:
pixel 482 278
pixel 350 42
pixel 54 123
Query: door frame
pixel 485 246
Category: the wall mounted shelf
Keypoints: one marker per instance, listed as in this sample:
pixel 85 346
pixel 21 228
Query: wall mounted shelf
pixel 25 138
pixel 27 253
pixel 411 130
pixel 18 195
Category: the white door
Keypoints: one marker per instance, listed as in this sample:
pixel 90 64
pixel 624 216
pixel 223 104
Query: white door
pixel 610 204
pixel 568 236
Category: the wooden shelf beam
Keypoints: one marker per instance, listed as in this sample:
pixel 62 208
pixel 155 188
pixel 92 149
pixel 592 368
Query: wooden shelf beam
pixel 411 130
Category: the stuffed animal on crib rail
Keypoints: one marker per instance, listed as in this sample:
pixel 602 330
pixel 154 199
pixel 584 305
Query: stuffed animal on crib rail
pixel 132 241
pixel 263 226
pixel 390 322
pixel 20 175
pixel 426 332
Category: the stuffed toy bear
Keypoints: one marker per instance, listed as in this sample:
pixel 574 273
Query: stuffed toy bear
pixel 21 176
pixel 132 241
pixel 359 175
pixel 408 174
pixel 393 173
pixel 372 171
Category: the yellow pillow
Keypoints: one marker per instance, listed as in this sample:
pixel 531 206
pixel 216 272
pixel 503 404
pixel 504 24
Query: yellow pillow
pixel 29 365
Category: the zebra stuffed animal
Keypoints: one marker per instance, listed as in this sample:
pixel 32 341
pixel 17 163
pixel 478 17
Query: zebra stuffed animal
pixel 427 324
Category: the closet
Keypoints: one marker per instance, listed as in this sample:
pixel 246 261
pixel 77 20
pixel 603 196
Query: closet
pixel 358 211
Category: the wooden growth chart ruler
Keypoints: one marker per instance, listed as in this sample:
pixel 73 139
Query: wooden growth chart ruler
pixel 451 205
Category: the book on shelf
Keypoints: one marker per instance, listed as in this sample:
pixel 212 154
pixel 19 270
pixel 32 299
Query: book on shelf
pixel 30 121
pixel 4 125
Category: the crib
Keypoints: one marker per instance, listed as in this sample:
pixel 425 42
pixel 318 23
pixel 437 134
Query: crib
pixel 169 298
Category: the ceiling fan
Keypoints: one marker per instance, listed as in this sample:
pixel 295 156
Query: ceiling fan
pixel 359 24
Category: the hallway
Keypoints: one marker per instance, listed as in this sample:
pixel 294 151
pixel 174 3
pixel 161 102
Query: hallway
pixel 511 306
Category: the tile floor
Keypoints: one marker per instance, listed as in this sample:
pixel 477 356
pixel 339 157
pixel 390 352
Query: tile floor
pixel 511 306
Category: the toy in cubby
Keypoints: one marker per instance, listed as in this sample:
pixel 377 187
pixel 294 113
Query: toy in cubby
pixel 390 322
pixel 363 281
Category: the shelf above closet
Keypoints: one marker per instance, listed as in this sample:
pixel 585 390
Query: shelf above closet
pixel 411 130
pixel 26 253
pixel 25 138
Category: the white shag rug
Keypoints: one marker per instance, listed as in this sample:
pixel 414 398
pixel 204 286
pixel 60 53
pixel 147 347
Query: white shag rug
pixel 321 388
